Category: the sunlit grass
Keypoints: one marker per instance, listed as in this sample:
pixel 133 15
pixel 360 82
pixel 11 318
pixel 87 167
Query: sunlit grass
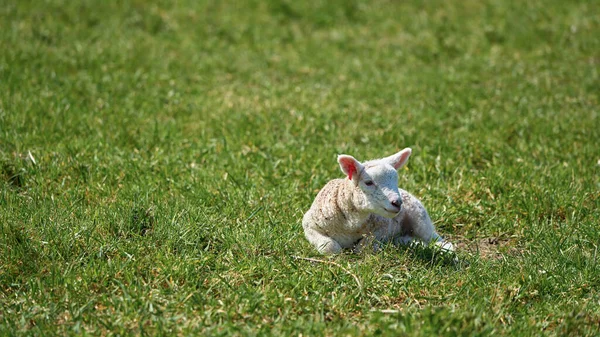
pixel 156 159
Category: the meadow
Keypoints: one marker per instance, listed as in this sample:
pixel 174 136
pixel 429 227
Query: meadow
pixel 156 158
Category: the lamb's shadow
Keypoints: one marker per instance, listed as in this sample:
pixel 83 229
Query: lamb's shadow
pixel 431 255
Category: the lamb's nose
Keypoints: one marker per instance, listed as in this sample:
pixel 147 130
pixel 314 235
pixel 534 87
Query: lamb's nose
pixel 397 203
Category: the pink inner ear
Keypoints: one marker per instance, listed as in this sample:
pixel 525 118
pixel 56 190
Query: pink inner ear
pixel 402 159
pixel 351 171
pixel 349 167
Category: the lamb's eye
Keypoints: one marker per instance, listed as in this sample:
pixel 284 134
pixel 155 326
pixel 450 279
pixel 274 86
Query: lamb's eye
pixel 369 183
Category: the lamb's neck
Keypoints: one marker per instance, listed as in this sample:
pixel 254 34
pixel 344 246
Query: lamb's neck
pixel 351 202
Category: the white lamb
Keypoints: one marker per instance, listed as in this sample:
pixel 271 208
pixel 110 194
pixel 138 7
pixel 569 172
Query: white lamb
pixel 367 209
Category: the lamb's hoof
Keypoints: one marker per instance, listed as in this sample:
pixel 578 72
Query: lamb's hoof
pixel 445 246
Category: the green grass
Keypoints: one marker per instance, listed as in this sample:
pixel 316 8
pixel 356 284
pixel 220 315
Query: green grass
pixel 177 144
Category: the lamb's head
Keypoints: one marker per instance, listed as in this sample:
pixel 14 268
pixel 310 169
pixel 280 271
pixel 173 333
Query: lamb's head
pixel 377 182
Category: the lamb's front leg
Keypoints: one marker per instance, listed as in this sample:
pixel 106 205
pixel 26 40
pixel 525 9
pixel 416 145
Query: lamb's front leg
pixel 324 244
pixel 405 240
pixel 418 225
pixel 368 242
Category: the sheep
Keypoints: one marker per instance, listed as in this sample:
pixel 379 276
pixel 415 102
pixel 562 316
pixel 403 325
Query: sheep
pixel 367 209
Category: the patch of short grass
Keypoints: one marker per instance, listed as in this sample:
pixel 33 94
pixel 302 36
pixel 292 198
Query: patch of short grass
pixel 156 158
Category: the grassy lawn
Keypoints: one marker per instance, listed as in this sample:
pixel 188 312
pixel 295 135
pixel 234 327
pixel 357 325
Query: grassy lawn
pixel 156 158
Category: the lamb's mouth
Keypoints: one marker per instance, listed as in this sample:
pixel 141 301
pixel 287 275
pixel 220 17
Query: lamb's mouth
pixel 394 211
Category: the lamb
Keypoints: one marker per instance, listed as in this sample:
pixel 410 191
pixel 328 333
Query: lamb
pixel 367 209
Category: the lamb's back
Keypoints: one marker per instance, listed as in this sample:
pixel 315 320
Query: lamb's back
pixel 324 211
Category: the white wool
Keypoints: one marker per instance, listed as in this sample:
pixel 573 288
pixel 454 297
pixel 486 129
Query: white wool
pixel 367 208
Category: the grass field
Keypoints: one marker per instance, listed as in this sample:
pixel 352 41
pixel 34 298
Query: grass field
pixel 156 158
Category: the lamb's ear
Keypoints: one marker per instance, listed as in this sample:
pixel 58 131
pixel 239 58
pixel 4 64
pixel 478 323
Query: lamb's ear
pixel 399 159
pixel 350 166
